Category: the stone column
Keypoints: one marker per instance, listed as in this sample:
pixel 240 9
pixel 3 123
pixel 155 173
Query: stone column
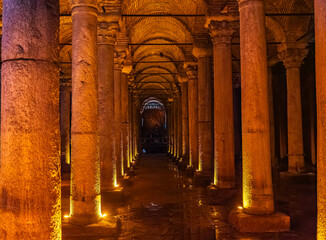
pixel 118 65
pixel 180 128
pixel 258 200
pixel 185 122
pixel 320 37
pixel 106 39
pixel 205 114
pixel 65 109
pixel 224 162
pixel 85 165
pixel 271 119
pixel 30 204
pixel 192 73
pixel 292 59
pixel 124 116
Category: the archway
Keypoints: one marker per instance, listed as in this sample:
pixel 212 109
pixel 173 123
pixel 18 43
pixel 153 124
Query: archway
pixel 153 127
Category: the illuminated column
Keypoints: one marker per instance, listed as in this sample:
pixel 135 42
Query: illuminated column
pixel 180 128
pixel 205 113
pixel 118 65
pixel 320 38
pixel 85 165
pixel 30 204
pixel 106 39
pixel 65 108
pixel 185 121
pixel 173 133
pixel 124 115
pixel 292 59
pixel 224 163
pixel 169 127
pixel 191 71
pixel 258 201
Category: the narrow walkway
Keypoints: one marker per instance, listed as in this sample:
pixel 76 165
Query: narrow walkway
pixel 161 204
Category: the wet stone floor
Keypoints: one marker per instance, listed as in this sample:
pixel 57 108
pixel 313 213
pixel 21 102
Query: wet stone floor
pixel 160 203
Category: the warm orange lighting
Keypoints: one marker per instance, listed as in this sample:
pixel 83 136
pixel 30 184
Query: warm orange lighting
pixel 240 207
pixel 104 215
pixel 116 185
pixel 66 216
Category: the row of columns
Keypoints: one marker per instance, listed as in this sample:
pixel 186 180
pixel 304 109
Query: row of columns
pixel 30 140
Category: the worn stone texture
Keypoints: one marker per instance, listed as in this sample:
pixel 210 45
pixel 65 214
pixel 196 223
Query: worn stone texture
pixel 185 122
pixel 124 120
pixel 257 180
pixel 30 198
pixel 320 21
pixel 85 164
pixel 193 116
pixel 224 162
pixel 106 116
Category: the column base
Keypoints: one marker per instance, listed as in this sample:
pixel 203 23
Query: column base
pixel 307 177
pixel 190 171
pixel 115 194
pixel 202 179
pixel 247 223
pixel 101 229
pixel 125 181
pixel 219 196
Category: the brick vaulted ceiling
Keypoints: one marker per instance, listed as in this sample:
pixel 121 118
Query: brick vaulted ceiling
pixel 158 62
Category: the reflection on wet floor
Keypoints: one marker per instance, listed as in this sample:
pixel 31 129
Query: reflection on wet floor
pixel 161 204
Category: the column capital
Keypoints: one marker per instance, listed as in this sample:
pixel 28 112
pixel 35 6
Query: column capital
pixel 292 55
pixel 191 71
pixel 202 46
pixel 119 60
pixel 107 32
pixel 222 31
pixel 84 3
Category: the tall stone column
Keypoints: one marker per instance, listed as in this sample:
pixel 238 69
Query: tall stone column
pixel 30 204
pixel 185 121
pixel 292 60
pixel 205 114
pixel 118 65
pixel 85 206
pixel 180 127
pixel 320 38
pixel 192 73
pixel 65 109
pixel 224 162
pixel 106 39
pixel 124 116
pixel 258 200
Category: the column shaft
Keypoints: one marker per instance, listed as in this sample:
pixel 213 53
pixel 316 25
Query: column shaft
pixel 65 109
pixel 106 115
pixel 205 116
pixel 85 164
pixel 30 136
pixel 124 119
pixel 294 114
pixel 320 36
pixel 117 122
pixel 193 122
pixel 224 164
pixel 257 180
pixel 185 122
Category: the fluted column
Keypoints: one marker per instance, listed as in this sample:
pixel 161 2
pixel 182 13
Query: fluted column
pixel 185 121
pixel 65 109
pixel 118 65
pixel 106 39
pixel 320 37
pixel 85 165
pixel 292 60
pixel 30 204
pixel 258 200
pixel 192 73
pixel 224 163
pixel 205 113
